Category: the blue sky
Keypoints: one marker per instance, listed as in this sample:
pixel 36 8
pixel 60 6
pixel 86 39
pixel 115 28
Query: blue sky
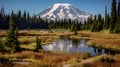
pixel 36 6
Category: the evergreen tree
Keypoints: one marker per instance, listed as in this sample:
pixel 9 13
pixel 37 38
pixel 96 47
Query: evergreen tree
pixel 99 23
pixel 2 15
pixel 24 15
pixel 106 19
pixel 84 25
pixel 74 27
pixel 80 25
pixel 1 45
pixel 93 27
pixel 28 17
pixel 17 43
pixel 38 44
pixel 1 19
pixel 69 24
pixel 117 25
pixel 19 15
pixel 119 9
pixel 2 12
pixel 113 16
pixel 89 23
pixel 11 39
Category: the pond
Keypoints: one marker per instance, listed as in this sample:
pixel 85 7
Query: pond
pixel 74 45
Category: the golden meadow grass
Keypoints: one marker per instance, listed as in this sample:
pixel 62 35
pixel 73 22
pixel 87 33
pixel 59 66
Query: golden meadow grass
pixel 48 58
pixel 55 59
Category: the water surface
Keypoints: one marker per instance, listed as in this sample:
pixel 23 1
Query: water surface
pixel 73 46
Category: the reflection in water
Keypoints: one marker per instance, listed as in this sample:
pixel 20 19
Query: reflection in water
pixel 98 50
pixel 95 50
pixel 73 46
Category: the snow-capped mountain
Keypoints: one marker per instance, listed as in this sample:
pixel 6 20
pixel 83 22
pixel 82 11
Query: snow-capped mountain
pixel 63 11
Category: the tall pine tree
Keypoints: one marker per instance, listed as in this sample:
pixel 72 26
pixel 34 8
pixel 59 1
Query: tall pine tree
pixel 99 23
pixel 24 15
pixel 19 15
pixel 2 12
pixel 117 25
pixel 94 24
pixel 113 16
pixel 106 19
pixel 11 39
pixel 119 9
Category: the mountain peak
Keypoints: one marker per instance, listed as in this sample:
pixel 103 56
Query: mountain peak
pixel 64 11
pixel 63 4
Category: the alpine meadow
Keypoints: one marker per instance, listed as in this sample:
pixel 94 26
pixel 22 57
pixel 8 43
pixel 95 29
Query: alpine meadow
pixel 60 33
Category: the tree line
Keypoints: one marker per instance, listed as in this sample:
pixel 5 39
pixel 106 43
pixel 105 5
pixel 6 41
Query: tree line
pixel 24 20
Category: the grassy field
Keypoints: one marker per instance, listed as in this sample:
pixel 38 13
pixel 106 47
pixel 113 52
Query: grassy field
pixel 43 58
pixel 58 59
pixel 100 39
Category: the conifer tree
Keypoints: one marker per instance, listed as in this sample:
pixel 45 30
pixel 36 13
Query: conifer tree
pixel 89 23
pixel 11 39
pixel 24 15
pixel 2 12
pixel 1 45
pixel 119 9
pixel 38 44
pixel 93 27
pixel 28 17
pixel 99 23
pixel 17 43
pixel 75 28
pixel 113 16
pixel 19 15
pixel 2 15
pixel 106 19
pixel 117 25
pixel 80 25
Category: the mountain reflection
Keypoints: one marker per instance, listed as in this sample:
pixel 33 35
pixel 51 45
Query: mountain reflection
pixel 74 45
